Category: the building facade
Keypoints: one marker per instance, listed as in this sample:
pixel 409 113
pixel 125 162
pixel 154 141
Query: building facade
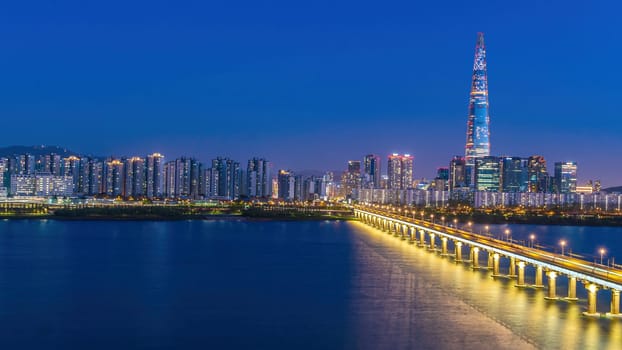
pixel 478 133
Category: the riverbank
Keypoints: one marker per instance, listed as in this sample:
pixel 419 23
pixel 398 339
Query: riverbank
pixel 492 219
pixel 171 213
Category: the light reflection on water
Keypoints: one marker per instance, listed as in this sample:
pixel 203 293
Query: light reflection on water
pixel 460 307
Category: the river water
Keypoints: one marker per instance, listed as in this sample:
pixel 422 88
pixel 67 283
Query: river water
pixel 240 284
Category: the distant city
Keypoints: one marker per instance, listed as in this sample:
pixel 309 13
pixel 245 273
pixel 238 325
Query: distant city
pixel 477 179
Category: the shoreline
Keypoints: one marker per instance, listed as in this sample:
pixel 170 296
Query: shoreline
pixel 259 218
pixel 227 217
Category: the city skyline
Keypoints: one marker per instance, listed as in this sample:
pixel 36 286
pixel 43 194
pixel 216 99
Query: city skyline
pixel 230 80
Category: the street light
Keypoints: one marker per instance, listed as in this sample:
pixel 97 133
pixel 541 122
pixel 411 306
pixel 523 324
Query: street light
pixel 443 219
pixel 507 234
pixel 432 217
pixel 563 244
pixel 470 224
pixel 602 252
pixel 532 237
pixel 456 223
pixel 486 230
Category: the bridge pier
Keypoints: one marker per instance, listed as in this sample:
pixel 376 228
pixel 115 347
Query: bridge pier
pixel 490 261
pixel 552 295
pixel 444 246
pixel 572 289
pixel 538 283
pixel 512 268
pixel 404 232
pixel 521 274
pixel 615 304
pixel 495 265
pixel 421 238
pixel 413 233
pixel 591 300
pixel 458 251
pixel 474 257
pixel 432 242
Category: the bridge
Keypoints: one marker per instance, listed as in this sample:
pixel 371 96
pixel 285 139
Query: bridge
pixel 427 235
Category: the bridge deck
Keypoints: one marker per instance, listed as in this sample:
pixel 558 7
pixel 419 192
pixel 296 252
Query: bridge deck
pixel 585 270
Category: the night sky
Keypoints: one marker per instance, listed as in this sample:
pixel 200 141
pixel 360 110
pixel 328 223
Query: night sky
pixel 311 85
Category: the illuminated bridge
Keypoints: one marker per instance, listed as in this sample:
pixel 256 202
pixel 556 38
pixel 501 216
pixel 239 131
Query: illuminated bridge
pixel 435 237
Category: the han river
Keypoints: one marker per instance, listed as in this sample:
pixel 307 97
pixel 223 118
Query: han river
pixel 242 284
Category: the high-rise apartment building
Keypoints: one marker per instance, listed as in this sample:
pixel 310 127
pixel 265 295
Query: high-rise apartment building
pixel 258 178
pixel 134 184
pixel 286 185
pixel 225 179
pixel 351 179
pixel 400 171
pixel 155 176
pixel 114 171
pixel 72 167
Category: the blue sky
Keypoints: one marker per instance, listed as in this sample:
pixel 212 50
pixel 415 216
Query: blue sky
pixel 311 85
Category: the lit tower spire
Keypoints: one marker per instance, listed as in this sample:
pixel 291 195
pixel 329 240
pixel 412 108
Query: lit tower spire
pixel 478 134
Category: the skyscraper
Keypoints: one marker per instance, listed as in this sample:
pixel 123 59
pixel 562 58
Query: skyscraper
pixel 371 171
pixel 351 179
pixel 224 179
pixel 457 173
pixel 286 187
pixel 513 174
pixel 538 177
pixel 565 177
pixel 134 180
pixel 487 174
pixel 114 177
pixel 259 181
pixel 155 175
pixel 478 134
pixel 400 171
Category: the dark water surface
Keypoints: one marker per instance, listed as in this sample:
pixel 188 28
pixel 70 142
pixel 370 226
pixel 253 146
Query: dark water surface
pixel 264 285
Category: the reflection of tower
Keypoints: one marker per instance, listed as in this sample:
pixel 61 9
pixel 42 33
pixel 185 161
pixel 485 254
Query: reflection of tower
pixel 478 134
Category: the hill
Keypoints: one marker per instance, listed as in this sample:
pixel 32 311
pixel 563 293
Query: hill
pixel 34 150
pixel 617 189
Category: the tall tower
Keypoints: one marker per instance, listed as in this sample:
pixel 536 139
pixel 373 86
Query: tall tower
pixel 478 134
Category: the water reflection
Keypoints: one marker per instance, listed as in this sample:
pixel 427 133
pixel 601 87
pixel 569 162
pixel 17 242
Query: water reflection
pixel 414 289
